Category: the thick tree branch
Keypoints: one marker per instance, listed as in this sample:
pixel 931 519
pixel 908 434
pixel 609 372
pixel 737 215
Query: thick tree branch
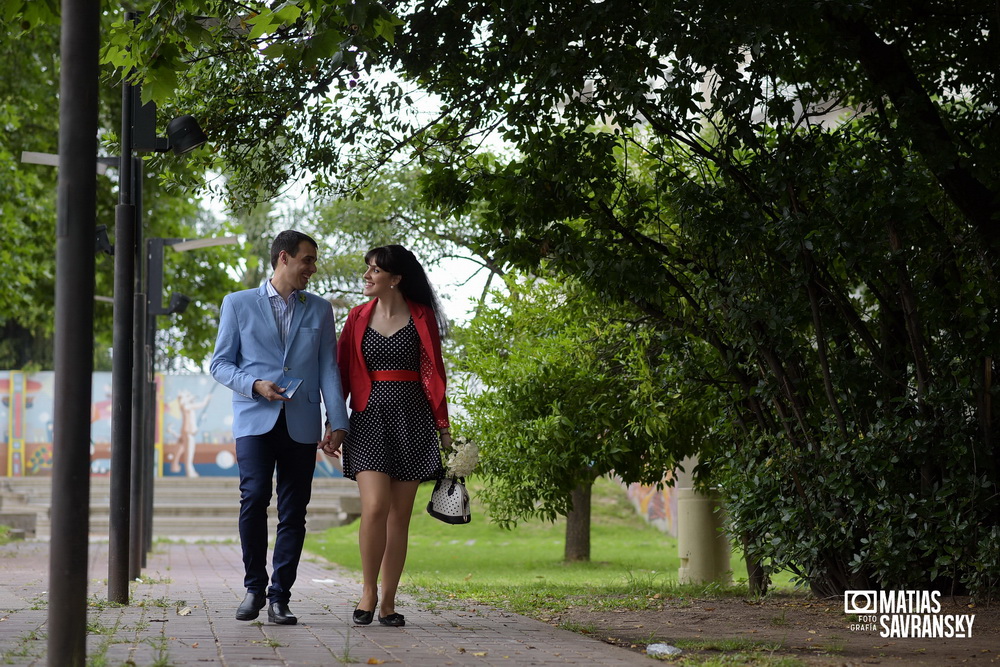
pixel 889 71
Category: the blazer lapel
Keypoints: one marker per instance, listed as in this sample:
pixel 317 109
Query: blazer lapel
pixel 264 307
pixel 297 315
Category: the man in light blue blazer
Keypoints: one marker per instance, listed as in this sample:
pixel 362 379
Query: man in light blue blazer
pixel 276 350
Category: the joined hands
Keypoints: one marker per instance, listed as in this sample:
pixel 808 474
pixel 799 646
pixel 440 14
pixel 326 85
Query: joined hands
pixel 332 441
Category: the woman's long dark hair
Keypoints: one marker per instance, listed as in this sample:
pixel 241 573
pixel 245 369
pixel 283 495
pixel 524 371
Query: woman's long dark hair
pixel 413 283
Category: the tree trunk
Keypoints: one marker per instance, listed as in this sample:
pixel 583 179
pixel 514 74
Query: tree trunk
pixel 578 525
pixel 756 576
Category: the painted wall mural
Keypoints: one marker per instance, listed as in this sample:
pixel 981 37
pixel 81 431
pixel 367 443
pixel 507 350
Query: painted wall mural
pixel 657 506
pixel 193 435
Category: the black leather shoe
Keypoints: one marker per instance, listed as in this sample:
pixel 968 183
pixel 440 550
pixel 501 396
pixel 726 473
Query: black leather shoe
pixel 250 608
pixel 362 617
pixel 394 620
pixel 278 612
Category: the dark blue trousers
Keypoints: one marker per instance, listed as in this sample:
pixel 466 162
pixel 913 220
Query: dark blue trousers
pixel 259 456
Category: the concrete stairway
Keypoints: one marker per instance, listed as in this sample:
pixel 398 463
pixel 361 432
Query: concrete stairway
pixel 183 508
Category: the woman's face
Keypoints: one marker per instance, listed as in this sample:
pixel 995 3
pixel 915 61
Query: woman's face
pixel 378 283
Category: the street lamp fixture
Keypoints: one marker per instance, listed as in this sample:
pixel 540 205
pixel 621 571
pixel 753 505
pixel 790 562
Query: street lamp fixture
pixel 154 275
pixel 185 135
pixel 101 242
pixel 178 304
pixel 194 244
pixel 52 160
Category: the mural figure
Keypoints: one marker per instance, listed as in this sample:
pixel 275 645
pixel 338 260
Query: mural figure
pixel 101 410
pixel 186 443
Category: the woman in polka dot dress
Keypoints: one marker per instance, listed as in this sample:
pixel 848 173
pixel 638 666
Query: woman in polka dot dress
pixel 391 368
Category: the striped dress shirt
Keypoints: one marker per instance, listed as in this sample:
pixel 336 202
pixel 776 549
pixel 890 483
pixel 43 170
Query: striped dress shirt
pixel 283 310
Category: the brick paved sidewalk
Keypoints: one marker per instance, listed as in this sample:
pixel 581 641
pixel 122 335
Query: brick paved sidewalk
pixel 182 614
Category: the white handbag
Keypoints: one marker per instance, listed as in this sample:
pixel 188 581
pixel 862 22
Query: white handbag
pixel 450 501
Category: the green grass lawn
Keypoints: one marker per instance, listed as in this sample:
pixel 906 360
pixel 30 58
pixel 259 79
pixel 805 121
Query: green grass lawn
pixel 522 569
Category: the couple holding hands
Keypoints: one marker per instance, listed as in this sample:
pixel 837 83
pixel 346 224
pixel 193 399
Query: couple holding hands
pixel 278 351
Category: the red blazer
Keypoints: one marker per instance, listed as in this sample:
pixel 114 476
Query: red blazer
pixel 354 372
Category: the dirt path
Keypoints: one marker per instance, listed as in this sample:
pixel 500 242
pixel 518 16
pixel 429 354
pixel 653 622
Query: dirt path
pixel 817 632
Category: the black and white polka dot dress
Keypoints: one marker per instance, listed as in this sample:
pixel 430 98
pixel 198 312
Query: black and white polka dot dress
pixel 395 433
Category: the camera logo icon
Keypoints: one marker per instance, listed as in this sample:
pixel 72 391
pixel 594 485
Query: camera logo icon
pixel 860 602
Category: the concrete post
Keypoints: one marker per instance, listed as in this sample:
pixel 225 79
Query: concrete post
pixel 703 547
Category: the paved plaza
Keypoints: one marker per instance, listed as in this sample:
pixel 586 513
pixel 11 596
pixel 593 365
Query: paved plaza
pixel 182 614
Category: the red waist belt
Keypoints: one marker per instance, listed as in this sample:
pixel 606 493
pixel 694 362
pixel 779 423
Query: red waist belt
pixel 398 376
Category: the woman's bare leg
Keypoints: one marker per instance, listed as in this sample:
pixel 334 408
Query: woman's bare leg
pixel 376 500
pixel 397 530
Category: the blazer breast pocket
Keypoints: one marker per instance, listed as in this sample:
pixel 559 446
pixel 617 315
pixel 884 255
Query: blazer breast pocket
pixel 306 339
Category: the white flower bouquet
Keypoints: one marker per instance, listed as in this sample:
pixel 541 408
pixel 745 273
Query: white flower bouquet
pixel 463 457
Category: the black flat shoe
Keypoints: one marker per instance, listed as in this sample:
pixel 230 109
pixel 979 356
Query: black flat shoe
pixel 362 617
pixel 250 608
pixel 393 620
pixel 279 613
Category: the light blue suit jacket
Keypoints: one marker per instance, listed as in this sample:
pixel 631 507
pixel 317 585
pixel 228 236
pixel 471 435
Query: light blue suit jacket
pixel 249 348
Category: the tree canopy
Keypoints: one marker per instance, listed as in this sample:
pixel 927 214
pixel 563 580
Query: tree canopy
pixel 295 87
pixel 562 388
pixel 27 201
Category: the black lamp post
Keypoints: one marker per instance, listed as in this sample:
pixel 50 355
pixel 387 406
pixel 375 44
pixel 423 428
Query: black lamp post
pixel 129 365
pixel 74 331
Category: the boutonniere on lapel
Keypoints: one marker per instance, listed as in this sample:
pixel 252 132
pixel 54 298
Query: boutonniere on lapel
pixel 302 297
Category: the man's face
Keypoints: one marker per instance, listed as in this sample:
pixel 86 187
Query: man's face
pixel 297 270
